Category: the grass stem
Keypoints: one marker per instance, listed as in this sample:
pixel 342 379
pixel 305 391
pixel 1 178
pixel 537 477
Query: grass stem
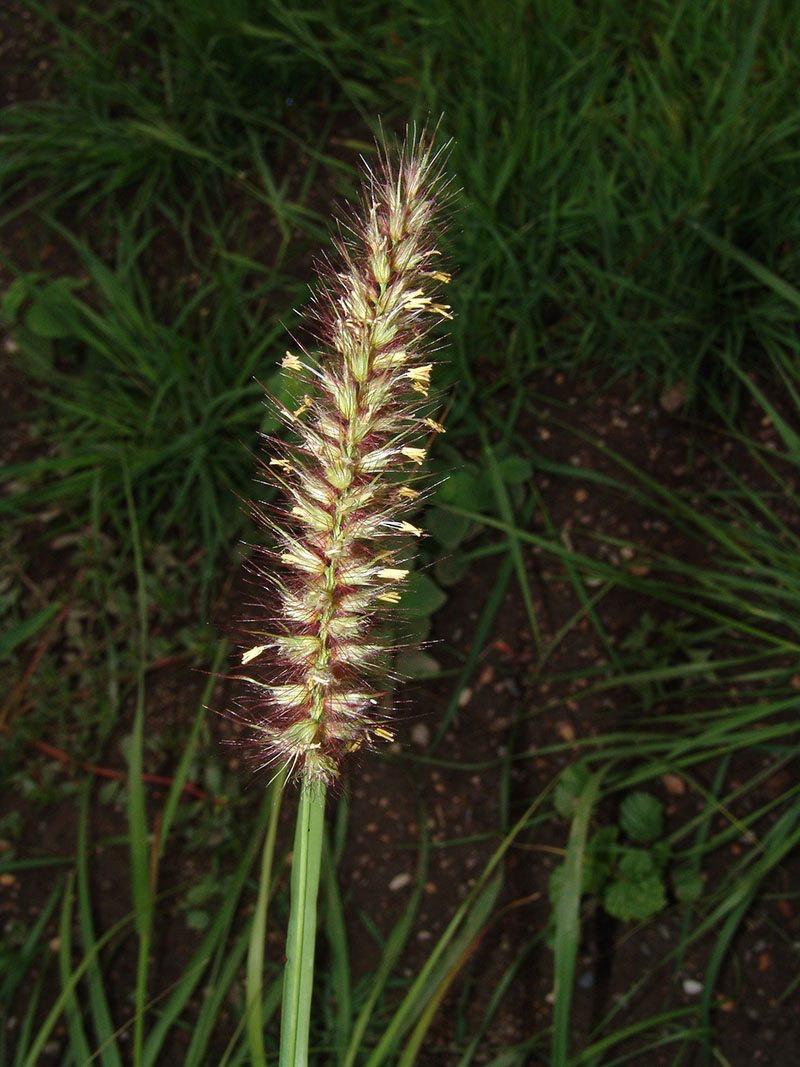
pixel 299 974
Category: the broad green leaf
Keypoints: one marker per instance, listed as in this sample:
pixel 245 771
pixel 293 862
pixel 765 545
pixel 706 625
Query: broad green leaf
pixel 598 860
pixel 641 816
pixel 414 663
pixel 464 489
pixel 54 313
pixel 413 630
pixel 515 469
pixel 601 852
pixel 197 919
pixel 36 353
pixel 451 569
pixel 421 595
pixel 13 299
pixel 446 527
pixel 638 891
pixel 687 883
pixel 570 784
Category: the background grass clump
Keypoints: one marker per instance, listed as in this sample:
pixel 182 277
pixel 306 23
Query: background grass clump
pixel 618 167
pixel 621 400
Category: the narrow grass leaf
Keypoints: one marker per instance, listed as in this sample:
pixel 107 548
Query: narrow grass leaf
pixel 27 629
pixel 389 956
pixel 142 887
pixel 181 774
pixel 98 1002
pixel 216 935
pixel 34 1053
pixel 567 918
pixel 18 966
pixel 451 966
pixel 477 644
pixel 258 931
pixel 506 513
pixel 412 1003
pixel 761 273
pixel 339 966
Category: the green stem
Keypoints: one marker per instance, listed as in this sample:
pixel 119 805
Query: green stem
pixel 255 951
pixel 298 978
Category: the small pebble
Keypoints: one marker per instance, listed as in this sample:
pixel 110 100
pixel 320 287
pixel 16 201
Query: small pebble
pixel 674 785
pixel 421 734
pixel 400 881
pixel 566 731
pixel 673 399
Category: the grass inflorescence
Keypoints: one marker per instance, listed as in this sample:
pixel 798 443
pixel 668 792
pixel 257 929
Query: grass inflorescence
pixel 628 214
pixel 362 421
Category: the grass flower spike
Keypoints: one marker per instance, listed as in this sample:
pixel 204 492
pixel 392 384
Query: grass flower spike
pixel 358 434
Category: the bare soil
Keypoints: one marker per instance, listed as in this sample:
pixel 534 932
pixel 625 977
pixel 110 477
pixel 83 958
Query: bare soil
pixel 506 713
pixel 505 716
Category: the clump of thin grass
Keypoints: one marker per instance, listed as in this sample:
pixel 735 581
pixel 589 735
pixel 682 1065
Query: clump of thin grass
pixel 642 224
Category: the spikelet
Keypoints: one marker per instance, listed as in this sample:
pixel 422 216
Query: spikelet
pixel 359 432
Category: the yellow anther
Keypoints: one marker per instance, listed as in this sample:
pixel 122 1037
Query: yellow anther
pixel 432 424
pixel 416 455
pixel 420 378
pixel 383 733
pixel 291 362
pixel 410 528
pixel 391 597
pixel 440 276
pixel 282 463
pixel 253 653
pixel 307 402
pixel 416 300
pixel 421 374
pixel 394 574
pixel 405 492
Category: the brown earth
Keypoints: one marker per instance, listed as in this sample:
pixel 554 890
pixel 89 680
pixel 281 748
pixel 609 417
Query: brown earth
pixel 506 714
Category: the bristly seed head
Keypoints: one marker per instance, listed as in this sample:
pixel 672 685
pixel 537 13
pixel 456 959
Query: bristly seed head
pixel 339 558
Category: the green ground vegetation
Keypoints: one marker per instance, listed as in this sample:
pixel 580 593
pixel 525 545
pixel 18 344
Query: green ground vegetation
pixel 627 213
